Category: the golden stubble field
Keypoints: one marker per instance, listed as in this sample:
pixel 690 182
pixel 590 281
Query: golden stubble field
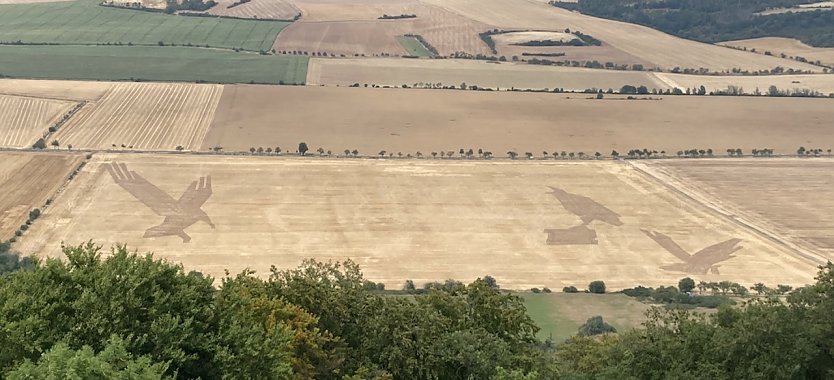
pixel 27 180
pixel 788 200
pixel 788 46
pixel 23 120
pixel 411 120
pixel 146 116
pixel 660 49
pixel 393 72
pixel 545 224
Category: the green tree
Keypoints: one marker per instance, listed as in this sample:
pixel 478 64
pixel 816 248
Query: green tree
pixel 55 143
pixel 40 144
pixel 512 154
pixel 302 148
pixel 686 285
pixel 113 362
pixel 596 326
pixel 596 287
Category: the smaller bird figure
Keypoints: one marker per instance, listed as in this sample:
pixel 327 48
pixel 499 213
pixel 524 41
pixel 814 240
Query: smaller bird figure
pixel 586 208
pixel 703 261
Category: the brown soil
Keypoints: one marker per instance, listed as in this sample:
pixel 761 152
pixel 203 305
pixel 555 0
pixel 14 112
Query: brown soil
pixel 27 180
pixel 411 120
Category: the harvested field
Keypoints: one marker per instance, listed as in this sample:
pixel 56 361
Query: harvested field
pixel 522 37
pixel 549 224
pixel 789 46
pixel 793 202
pixel 27 180
pixel 260 9
pixel 660 49
pixel 345 72
pixel 411 120
pixel 354 29
pixel 816 82
pixel 601 54
pixel 54 89
pixel 144 116
pixel 24 120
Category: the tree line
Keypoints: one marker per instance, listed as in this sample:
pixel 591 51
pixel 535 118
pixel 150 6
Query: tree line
pixel 119 314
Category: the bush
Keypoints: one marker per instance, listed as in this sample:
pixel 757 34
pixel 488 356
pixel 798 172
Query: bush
pixel 40 144
pixel 570 289
pixel 596 326
pixel 547 290
pixel 535 290
pixel 638 292
pixel 596 287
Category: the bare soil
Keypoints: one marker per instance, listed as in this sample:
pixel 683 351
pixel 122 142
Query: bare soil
pixel 27 180
pixel 411 120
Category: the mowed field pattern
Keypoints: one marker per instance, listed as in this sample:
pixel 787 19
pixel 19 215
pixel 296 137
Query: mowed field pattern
pixel 419 220
pixel 27 180
pixel 259 9
pixel 85 22
pixel 23 120
pixel 148 116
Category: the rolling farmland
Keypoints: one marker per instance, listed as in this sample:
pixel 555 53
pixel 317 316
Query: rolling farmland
pixel 788 46
pixel 85 22
pixel 144 116
pixel 149 63
pixel 793 202
pixel 501 121
pixel 53 89
pixel 551 224
pixel 355 29
pixel 660 49
pixel 27 181
pixel 24 120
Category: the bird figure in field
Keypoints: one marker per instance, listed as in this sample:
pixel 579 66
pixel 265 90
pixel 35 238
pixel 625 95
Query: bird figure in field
pixel 701 262
pixel 585 208
pixel 179 214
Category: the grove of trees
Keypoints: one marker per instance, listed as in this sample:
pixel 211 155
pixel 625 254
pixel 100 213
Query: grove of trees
pixel 126 315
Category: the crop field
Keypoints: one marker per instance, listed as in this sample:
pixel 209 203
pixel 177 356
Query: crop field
pixel 149 63
pixel 24 120
pixel 560 314
pixel 793 201
pixel 436 120
pixel 345 72
pixel 157 116
pixel 602 54
pixel 85 22
pixel 260 9
pixel 354 29
pixel 659 49
pixel 53 89
pixel 27 180
pixel 551 224
pixel 788 46
pixel 413 46
pixel 822 83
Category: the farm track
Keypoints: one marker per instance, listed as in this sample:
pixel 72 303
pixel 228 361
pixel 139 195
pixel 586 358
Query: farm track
pixel 145 116
pixel 23 120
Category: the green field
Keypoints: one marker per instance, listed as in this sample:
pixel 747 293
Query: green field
pixel 413 47
pixel 85 22
pixel 561 314
pixel 149 63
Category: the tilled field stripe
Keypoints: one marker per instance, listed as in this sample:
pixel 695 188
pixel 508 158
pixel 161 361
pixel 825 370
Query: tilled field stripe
pixel 113 120
pixel 161 110
pixel 207 116
pixel 174 101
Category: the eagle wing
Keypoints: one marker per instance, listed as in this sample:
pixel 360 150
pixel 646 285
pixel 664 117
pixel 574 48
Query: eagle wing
pixel 668 244
pixel 151 196
pixel 196 194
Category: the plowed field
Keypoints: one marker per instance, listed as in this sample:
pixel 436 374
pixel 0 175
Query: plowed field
pixel 27 180
pixel 145 116
pixel 550 224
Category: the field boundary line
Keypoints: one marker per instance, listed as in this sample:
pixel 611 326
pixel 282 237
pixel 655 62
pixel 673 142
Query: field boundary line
pixel 791 247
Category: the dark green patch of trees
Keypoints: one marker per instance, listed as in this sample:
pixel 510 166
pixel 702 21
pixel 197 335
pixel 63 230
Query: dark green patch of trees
pixel 189 5
pixel 716 20
pixel 396 17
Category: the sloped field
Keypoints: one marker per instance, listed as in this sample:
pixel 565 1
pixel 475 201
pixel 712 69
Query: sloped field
pixel 23 120
pixel 157 116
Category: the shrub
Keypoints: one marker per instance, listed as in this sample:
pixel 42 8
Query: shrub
pixel 535 290
pixel 570 289
pixel 546 290
pixel 596 287
pixel 596 326
pixel 638 292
